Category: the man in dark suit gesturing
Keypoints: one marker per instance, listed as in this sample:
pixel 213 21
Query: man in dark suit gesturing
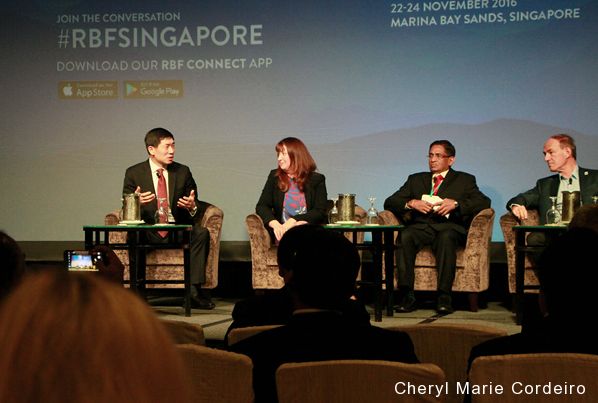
pixel 437 207
pixel 160 180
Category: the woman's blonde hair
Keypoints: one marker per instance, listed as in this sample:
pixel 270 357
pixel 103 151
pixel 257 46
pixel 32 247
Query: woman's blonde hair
pixel 74 337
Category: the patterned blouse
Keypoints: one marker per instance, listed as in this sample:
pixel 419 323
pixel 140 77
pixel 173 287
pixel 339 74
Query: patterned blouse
pixel 294 202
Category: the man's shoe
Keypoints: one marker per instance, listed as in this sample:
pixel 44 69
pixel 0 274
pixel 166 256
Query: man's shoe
pixel 444 306
pixel 202 303
pixel 406 305
pixel 444 309
pixel 200 298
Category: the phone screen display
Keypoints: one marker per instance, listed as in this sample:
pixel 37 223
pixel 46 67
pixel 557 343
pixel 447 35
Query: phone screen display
pixel 81 260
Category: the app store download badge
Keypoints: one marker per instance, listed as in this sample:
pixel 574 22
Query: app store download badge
pixel 87 90
pixel 151 89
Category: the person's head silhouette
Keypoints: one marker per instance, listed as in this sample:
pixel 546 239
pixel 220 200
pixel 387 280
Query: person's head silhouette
pixel 319 266
pixel 586 217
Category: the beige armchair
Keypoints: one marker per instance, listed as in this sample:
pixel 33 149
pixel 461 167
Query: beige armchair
pixel 352 381
pixel 217 375
pixel 431 340
pixel 242 333
pixel 473 261
pixel 167 264
pixel 574 372
pixel 184 332
pixel 507 221
pixel 264 267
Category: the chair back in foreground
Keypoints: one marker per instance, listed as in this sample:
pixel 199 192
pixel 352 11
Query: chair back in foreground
pixel 542 377
pixel 218 375
pixel 183 332
pixel 241 333
pixel 347 381
pixel 448 345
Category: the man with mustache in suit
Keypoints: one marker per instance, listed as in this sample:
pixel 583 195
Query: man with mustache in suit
pixel 437 208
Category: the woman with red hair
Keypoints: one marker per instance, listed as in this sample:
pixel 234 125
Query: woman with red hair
pixel 294 193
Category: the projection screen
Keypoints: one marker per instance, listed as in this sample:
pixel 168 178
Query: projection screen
pixel 367 85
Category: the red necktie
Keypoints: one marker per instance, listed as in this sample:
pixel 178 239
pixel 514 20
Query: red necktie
pixel 437 180
pixel 162 194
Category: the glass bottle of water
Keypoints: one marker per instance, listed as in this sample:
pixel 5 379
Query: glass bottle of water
pixel 161 215
pixel 333 213
pixel 372 214
pixel 553 216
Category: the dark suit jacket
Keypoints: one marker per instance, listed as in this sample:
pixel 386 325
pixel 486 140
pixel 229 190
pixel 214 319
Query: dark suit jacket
pixel 459 186
pixel 538 197
pixel 270 205
pixel 180 183
pixel 319 336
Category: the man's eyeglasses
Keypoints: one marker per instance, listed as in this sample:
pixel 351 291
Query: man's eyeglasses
pixel 437 156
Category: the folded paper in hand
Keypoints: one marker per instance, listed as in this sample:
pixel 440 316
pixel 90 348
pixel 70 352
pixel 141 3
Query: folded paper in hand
pixel 432 199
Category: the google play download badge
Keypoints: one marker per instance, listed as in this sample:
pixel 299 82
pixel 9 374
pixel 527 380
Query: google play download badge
pixel 153 89
pixel 130 89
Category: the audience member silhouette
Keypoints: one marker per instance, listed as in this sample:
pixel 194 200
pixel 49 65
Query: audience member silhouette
pixel 12 264
pixel 320 267
pixel 276 307
pixel 568 279
pixel 586 217
pixel 75 337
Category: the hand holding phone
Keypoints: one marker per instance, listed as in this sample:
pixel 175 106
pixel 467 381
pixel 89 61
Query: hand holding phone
pixel 100 259
pixel 110 266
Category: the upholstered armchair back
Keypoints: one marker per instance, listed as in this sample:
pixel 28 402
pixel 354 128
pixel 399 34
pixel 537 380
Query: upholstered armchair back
pixel 355 381
pixel 576 373
pixel 217 375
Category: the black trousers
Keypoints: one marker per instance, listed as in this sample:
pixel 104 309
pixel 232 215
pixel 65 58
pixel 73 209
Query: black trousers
pixel 444 245
pixel 198 252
